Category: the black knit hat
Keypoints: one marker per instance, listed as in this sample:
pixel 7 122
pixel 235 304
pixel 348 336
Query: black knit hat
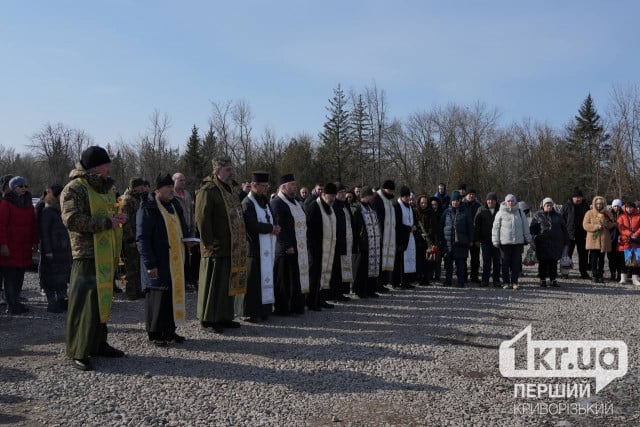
pixel 405 191
pixel 163 179
pixel 94 156
pixel 492 196
pixel 389 185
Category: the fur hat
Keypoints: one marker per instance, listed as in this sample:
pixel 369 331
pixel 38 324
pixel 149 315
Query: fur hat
pixel 17 181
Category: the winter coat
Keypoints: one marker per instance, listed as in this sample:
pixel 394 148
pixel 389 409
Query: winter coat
pixel 573 216
pixel 597 225
pixel 430 220
pixel 550 234
pixel 628 225
pixel 510 227
pixel 456 232
pixel 483 224
pixel 444 199
pixel 212 217
pixel 76 211
pixel 153 241
pixel 54 269
pixel 17 230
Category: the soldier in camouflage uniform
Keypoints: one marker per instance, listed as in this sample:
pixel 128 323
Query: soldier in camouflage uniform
pixel 86 332
pixel 131 200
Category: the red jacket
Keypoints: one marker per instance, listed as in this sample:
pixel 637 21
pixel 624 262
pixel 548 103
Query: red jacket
pixel 17 230
pixel 627 225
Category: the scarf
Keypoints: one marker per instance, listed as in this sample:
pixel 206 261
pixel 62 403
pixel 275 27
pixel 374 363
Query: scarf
pixel 267 252
pixel 388 234
pixel 373 235
pixel 410 252
pixel 176 261
pixel 328 244
pixel 346 261
pixel 106 248
pixel 300 224
pixel 238 236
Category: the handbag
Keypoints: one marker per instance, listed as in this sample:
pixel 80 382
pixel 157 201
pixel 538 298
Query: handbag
pixel 530 258
pixel 565 260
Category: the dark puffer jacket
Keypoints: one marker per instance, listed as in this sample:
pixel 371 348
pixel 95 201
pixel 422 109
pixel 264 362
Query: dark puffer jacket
pixel 17 230
pixel 550 234
pixel 456 232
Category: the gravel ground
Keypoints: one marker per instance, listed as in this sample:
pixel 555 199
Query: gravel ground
pixel 412 357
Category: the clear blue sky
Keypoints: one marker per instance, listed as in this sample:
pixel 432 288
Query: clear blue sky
pixel 105 66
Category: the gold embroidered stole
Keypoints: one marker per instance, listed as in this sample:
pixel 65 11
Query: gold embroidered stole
pixel 328 244
pixel 176 261
pixel 300 225
pixel 346 261
pixel 238 240
pixel 388 234
pixel 267 244
pixel 106 248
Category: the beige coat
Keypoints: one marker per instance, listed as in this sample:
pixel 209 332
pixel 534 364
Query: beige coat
pixel 597 225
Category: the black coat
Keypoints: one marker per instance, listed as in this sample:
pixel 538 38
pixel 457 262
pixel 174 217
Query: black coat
pixel 314 236
pixel 573 216
pixel 255 228
pixel 153 241
pixel 456 231
pixel 54 240
pixel 550 234
pixel 283 217
pixel 483 224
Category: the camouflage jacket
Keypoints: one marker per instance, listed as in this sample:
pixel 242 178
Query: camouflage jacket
pixel 76 213
pixel 131 201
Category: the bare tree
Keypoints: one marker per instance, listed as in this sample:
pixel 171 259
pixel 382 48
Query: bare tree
pixel 156 155
pixel 242 117
pixel 57 147
pixel 219 121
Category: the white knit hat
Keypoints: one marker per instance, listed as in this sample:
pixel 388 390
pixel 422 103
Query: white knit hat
pixel 547 200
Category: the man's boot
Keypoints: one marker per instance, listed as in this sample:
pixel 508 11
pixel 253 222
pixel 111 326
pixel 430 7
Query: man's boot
pixel 635 280
pixel 623 278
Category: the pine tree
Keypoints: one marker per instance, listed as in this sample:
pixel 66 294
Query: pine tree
pixel 335 150
pixel 191 160
pixel 209 151
pixel 363 141
pixel 587 148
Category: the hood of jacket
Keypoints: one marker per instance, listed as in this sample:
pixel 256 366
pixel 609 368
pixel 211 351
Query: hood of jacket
pixel 596 199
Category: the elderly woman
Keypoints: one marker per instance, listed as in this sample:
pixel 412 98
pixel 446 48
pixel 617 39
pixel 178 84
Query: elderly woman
pixel 18 235
pixel 550 237
pixel 510 233
pixel 598 222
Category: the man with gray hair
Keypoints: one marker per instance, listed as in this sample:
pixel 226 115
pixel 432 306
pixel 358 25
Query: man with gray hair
pixel 187 203
pixel 223 247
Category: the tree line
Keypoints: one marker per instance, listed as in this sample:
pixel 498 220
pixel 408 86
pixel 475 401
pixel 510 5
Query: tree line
pixel 361 143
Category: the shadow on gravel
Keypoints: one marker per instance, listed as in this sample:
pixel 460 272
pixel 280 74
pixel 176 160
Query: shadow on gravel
pixel 339 351
pixel 11 375
pixel 314 381
pixel 6 419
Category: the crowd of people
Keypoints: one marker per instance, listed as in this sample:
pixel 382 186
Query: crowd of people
pixel 251 254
